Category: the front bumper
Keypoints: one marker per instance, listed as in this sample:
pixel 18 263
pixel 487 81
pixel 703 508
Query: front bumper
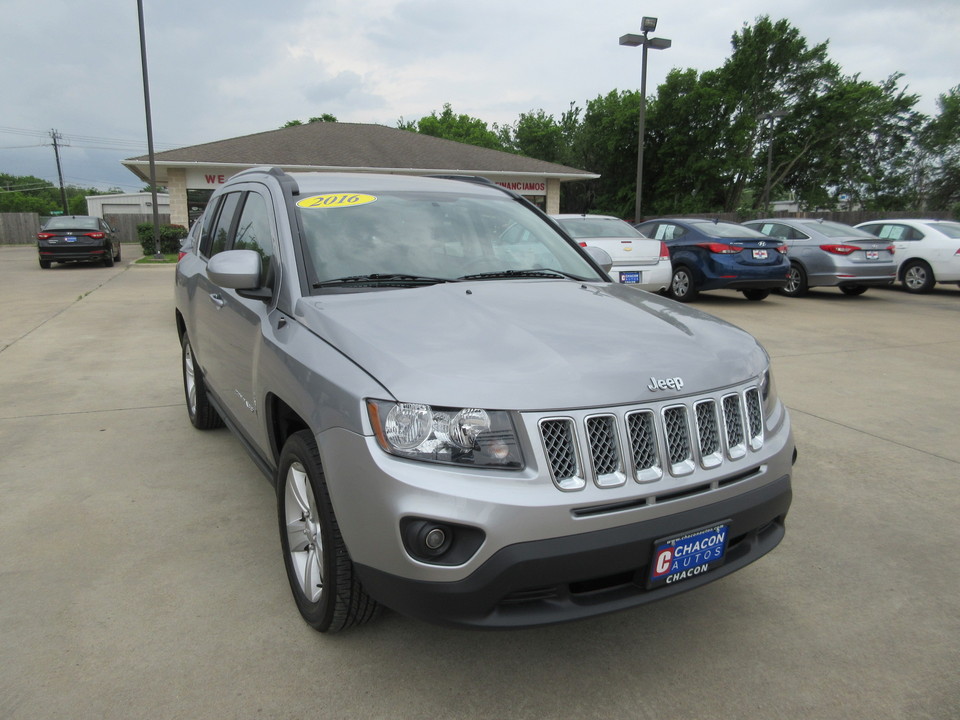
pixel 578 576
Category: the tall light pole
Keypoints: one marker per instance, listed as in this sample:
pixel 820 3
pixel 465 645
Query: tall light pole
pixel 648 25
pixel 771 116
pixel 153 165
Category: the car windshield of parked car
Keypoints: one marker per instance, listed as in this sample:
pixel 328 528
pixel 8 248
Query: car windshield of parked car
pixel 838 230
pixel 726 230
pixel 431 237
pixel 582 228
pixel 950 229
pixel 72 223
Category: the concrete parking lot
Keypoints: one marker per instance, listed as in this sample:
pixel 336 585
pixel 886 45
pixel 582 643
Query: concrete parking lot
pixel 141 575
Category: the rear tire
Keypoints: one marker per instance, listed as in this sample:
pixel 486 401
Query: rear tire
pixel 203 415
pixel 796 282
pixel 682 287
pixel 116 257
pixel 322 577
pixel 756 294
pixel 108 259
pixel 45 264
pixel 918 277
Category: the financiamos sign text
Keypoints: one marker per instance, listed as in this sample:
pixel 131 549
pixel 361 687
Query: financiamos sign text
pixel 525 187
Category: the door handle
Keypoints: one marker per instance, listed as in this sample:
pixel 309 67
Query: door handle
pixel 217 300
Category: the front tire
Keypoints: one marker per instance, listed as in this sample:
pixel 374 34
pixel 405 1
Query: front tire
pixel 682 287
pixel 322 577
pixel 918 277
pixel 203 415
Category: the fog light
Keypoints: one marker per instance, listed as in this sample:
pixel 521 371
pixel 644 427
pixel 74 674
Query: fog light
pixel 439 543
pixel 435 539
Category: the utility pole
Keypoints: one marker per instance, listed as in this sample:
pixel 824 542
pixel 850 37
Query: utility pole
pixel 56 151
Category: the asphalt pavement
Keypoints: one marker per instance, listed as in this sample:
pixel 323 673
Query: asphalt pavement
pixel 141 575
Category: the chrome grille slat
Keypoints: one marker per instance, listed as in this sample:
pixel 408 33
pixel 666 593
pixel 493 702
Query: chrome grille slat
pixel 679 447
pixel 708 433
pixel 733 427
pixel 648 443
pixel 754 418
pixel 605 450
pixel 641 430
pixel 559 442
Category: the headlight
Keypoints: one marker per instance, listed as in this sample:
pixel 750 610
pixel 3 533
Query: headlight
pixel 461 436
pixel 768 392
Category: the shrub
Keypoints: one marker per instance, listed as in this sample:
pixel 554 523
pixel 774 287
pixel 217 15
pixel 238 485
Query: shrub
pixel 171 238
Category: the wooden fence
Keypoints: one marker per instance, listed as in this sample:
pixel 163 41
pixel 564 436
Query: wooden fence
pixel 22 228
pixel 19 228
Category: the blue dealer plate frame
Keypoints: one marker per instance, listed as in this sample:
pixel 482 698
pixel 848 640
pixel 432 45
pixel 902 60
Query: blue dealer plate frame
pixel 693 553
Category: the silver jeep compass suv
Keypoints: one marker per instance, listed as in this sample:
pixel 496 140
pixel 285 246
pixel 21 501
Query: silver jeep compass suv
pixel 465 420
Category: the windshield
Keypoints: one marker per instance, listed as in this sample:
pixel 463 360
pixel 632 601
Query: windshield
pixel 838 230
pixel 433 237
pixel 587 227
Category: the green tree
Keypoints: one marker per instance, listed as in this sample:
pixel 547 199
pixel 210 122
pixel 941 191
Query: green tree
pixel 460 128
pixel 325 117
pixel 939 141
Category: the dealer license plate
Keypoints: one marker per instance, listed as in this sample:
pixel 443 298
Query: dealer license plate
pixel 873 254
pixel 70 238
pixel 680 558
pixel 631 278
pixel 759 254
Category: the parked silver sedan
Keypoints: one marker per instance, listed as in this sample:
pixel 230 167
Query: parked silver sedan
pixel 830 254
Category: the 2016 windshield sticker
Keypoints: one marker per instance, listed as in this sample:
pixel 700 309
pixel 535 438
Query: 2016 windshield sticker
pixel 337 200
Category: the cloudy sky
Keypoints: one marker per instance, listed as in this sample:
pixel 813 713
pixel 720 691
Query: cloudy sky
pixel 226 68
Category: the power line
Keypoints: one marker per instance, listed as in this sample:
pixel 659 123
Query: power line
pixel 99 142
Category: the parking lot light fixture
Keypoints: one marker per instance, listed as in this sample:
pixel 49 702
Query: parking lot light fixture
pixel 772 118
pixel 647 25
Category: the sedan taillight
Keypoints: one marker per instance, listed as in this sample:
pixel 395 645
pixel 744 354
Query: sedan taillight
pixel 840 249
pixel 720 248
pixel 44 236
pixel 664 251
pixel 96 235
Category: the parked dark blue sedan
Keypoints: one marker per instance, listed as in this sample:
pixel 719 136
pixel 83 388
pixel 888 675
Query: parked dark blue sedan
pixel 714 255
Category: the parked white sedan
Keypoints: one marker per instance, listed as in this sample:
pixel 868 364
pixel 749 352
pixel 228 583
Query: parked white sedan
pixel 637 259
pixel 928 251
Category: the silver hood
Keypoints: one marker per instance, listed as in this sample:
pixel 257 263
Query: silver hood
pixel 531 344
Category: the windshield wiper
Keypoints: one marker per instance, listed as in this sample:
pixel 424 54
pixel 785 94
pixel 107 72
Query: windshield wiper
pixel 383 279
pixel 532 273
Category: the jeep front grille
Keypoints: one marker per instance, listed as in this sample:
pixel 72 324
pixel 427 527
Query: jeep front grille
pixel 645 443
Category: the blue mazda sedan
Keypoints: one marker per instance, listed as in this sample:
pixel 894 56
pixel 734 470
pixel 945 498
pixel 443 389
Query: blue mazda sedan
pixel 715 255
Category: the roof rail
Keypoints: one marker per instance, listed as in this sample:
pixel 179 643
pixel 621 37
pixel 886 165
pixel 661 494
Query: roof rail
pixel 466 178
pixel 285 179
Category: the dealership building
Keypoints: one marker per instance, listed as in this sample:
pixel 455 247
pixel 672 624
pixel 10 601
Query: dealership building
pixel 191 174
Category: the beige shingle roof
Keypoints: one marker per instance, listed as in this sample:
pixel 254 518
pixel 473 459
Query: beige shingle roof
pixel 335 145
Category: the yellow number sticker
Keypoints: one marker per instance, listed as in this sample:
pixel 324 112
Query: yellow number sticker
pixel 336 200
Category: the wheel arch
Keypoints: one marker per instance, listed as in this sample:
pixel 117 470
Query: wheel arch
pixel 282 422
